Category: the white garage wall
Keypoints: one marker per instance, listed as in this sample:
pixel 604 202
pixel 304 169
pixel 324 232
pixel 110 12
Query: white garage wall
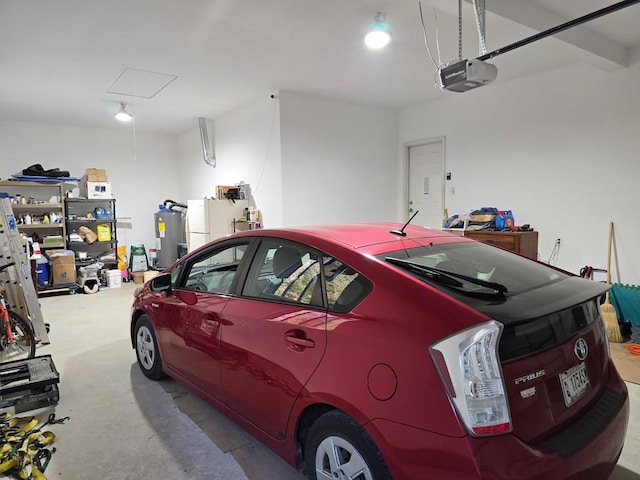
pixel 140 180
pixel 246 143
pixel 309 160
pixel 560 149
pixel 339 161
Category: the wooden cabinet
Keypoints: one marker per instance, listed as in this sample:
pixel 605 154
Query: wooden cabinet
pixel 523 243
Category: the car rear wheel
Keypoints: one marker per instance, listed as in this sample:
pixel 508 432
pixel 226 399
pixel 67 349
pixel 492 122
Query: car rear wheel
pixel 338 448
pixel 147 349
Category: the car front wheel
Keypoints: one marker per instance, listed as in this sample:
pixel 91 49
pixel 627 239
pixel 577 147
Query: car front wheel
pixel 147 349
pixel 338 448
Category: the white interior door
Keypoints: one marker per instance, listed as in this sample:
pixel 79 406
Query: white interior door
pixel 426 183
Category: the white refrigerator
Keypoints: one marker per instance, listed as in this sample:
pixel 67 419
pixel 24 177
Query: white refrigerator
pixel 208 219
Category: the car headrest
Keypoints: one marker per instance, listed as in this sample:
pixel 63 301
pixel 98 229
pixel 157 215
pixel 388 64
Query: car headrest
pixel 286 260
pixel 350 294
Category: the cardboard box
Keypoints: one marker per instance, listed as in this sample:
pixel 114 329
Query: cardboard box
pixel 63 269
pixel 55 239
pixel 93 190
pixel 95 175
pixel 138 277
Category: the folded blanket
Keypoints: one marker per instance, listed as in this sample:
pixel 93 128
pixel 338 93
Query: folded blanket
pixel 36 170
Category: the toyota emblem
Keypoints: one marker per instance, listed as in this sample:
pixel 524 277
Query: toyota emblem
pixel 581 349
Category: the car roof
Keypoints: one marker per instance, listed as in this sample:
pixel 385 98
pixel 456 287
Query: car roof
pixel 358 235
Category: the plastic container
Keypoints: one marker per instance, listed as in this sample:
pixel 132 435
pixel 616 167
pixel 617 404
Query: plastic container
pixel 114 279
pixel 104 232
pixel 508 219
pixel 42 272
pixel 504 220
pixel 153 256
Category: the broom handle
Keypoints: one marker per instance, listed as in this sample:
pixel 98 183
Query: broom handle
pixel 609 253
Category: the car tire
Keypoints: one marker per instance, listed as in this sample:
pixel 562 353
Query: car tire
pixel 147 351
pixel 338 447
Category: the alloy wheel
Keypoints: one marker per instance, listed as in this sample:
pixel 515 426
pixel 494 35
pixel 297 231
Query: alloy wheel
pixel 145 347
pixel 337 459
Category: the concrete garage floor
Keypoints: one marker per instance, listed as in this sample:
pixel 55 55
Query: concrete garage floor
pixel 124 426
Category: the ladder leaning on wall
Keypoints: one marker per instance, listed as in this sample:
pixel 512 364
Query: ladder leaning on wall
pixel 20 291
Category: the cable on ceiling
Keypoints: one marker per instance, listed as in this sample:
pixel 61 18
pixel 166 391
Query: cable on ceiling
pixel 435 21
pixel 424 33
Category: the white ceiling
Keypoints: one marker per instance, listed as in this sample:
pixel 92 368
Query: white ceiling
pixel 59 58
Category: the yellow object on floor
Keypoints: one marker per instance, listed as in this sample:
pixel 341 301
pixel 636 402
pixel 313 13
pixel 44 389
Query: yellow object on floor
pixel 24 451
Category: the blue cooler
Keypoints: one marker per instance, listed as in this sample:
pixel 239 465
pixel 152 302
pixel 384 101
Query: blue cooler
pixel 42 272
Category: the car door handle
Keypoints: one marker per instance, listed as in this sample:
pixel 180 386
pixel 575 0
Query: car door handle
pixel 210 321
pixel 301 342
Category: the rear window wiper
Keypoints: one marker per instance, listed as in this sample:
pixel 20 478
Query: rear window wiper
pixel 448 278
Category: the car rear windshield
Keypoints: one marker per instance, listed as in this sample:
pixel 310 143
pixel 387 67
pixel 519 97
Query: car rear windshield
pixel 473 266
pixel 544 333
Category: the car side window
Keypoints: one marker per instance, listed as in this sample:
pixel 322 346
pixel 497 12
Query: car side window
pixel 345 287
pixel 285 271
pixel 214 271
pixel 175 274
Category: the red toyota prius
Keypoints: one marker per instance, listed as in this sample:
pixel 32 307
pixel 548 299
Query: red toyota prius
pixel 373 351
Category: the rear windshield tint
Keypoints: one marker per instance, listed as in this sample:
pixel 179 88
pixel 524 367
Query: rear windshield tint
pixel 482 262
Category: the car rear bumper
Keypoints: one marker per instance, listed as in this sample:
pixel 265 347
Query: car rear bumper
pixel 414 453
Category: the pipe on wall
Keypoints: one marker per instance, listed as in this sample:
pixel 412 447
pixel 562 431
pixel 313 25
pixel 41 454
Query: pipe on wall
pixel 207 153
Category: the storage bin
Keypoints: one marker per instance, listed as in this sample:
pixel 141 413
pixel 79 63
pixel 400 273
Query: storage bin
pixel 114 279
pixel 42 272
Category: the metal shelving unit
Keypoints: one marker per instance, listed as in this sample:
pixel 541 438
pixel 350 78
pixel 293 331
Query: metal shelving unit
pixel 81 212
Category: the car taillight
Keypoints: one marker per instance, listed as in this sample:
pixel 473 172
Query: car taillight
pixel 469 366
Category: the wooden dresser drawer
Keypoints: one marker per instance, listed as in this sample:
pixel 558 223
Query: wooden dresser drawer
pixel 523 243
pixel 506 241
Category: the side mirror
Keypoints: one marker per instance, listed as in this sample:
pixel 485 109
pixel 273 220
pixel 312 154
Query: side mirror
pixel 161 283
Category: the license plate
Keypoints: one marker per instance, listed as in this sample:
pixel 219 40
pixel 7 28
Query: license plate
pixel 575 383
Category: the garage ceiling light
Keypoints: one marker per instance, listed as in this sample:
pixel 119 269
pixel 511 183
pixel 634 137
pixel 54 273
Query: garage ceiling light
pixel 379 35
pixel 122 114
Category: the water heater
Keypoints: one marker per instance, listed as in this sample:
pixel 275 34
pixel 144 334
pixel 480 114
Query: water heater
pixel 170 223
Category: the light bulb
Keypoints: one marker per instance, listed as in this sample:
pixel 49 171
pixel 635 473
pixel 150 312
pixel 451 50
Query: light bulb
pixel 123 115
pixel 379 35
pixel 377 39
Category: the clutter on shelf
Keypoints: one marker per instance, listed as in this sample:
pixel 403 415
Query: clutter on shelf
pixel 486 218
pixel 95 184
